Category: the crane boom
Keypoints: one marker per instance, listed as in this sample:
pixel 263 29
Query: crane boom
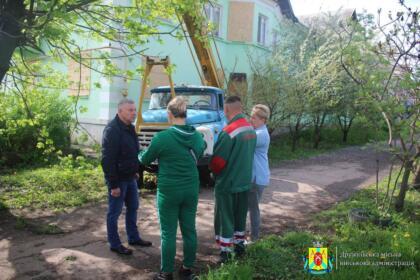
pixel 203 52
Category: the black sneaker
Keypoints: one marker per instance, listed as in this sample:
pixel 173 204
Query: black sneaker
pixel 141 243
pixel 122 250
pixel 224 257
pixel 163 276
pixel 185 273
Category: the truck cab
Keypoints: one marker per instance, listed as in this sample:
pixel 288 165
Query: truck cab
pixel 204 112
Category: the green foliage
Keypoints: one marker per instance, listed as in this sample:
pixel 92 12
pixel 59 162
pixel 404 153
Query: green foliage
pixel 278 81
pixel 304 83
pixel 279 257
pixel 230 271
pixel 382 60
pixel 73 182
pixel 61 29
pixel 70 162
pixel 34 125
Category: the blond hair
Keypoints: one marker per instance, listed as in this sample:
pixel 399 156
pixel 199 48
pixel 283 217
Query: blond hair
pixel 178 107
pixel 262 111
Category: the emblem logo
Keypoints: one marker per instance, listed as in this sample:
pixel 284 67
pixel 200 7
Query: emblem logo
pixel 318 261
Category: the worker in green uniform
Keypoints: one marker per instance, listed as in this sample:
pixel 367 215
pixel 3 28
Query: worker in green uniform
pixel 232 166
pixel 177 150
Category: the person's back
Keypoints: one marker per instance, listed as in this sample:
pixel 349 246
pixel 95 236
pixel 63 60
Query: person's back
pixel 238 139
pixel 179 148
pixel 232 166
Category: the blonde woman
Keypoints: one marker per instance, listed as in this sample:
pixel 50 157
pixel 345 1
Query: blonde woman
pixel 260 170
pixel 177 148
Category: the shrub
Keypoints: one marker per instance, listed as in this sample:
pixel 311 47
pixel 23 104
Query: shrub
pixel 33 128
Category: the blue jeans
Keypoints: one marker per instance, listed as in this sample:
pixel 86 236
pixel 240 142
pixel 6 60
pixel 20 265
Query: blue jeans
pixel 129 196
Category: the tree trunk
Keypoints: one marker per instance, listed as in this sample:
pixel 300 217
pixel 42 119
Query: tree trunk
pixel 416 179
pixel 294 133
pixel 318 123
pixel 295 139
pixel 399 203
pixel 345 126
pixel 345 134
pixel 11 14
pixel 317 137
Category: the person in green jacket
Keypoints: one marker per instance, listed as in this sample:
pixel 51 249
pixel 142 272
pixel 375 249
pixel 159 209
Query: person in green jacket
pixel 177 150
pixel 231 164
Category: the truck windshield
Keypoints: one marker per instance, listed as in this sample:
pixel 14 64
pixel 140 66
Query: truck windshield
pixel 195 100
pixel 159 100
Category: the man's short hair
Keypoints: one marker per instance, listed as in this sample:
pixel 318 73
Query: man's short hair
pixel 232 99
pixel 178 107
pixel 125 101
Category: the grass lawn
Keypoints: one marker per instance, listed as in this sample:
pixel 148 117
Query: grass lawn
pixel 72 183
pixel 394 249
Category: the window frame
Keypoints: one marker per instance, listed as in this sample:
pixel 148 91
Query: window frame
pixel 262 34
pixel 210 8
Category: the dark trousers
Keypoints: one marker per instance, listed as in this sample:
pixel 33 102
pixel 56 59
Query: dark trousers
pixel 130 197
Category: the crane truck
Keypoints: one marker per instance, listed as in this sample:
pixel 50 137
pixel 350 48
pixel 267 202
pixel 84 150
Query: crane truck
pixel 204 102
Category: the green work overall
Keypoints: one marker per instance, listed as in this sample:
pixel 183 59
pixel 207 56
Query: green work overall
pixel 177 150
pixel 232 165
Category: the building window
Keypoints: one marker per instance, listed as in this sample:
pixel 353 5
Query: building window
pixel 262 29
pixel 214 15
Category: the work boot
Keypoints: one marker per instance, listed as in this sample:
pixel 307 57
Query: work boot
pixel 239 250
pixel 163 276
pixel 141 243
pixel 186 273
pixel 122 250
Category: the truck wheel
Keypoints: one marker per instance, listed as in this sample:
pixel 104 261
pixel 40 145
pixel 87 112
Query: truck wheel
pixel 140 181
pixel 206 178
pixel 147 183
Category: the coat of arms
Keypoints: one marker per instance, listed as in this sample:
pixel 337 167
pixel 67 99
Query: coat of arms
pixel 318 261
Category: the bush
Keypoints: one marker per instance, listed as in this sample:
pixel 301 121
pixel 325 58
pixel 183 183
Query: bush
pixel 32 131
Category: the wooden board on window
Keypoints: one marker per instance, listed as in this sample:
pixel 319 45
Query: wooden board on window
pixel 240 21
pixel 80 74
pixel 238 85
pixel 157 78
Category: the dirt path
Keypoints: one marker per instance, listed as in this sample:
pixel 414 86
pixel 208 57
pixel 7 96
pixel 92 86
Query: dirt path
pixel 297 190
